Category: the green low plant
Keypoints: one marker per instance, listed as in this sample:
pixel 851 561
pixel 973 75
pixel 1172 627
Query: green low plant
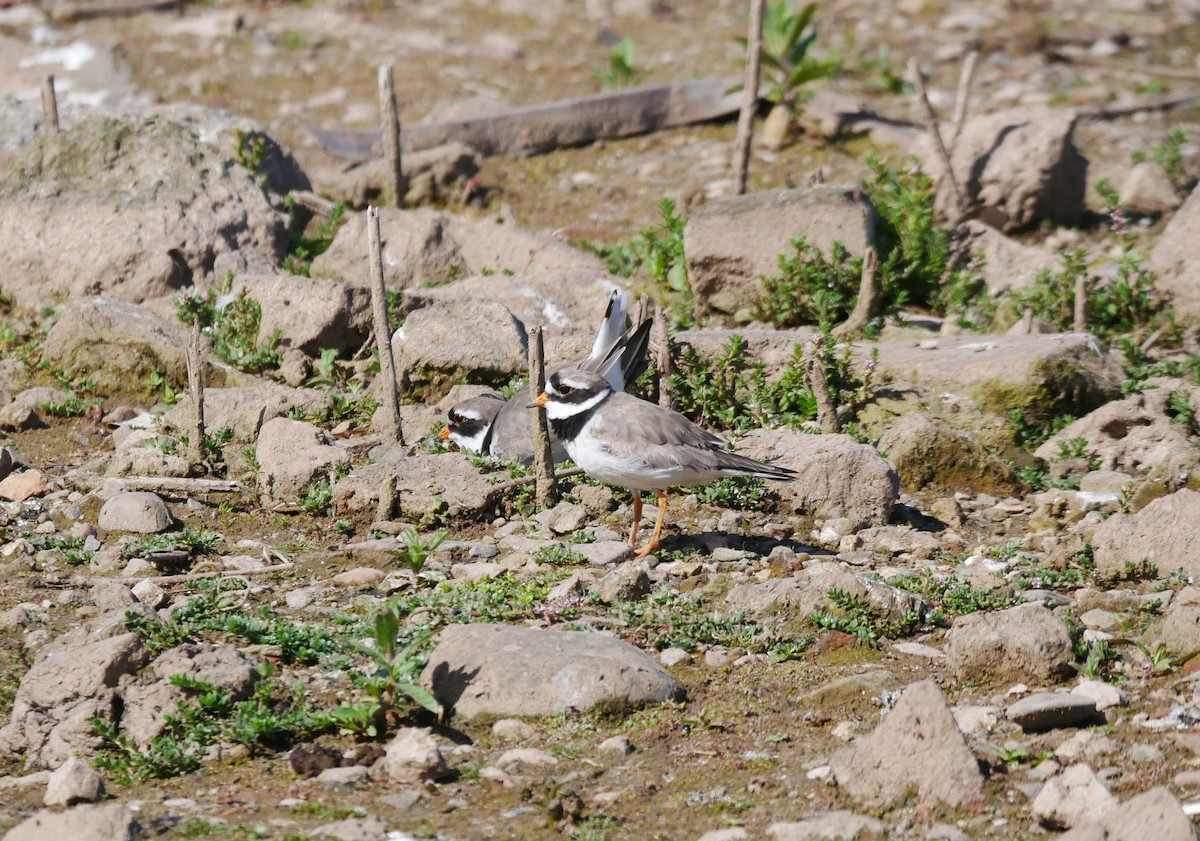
pixel 556 555
pixel 232 321
pixel 305 247
pixel 1167 153
pixel 788 36
pixel 416 550
pixel 622 70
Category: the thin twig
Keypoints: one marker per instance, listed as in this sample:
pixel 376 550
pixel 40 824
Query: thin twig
pixel 1157 70
pixel 389 117
pixel 814 375
pixel 195 372
pixel 931 124
pixel 391 431
pixel 662 359
pixel 963 96
pixel 1079 324
pixel 543 462
pixel 49 105
pixel 497 491
pixel 868 305
pixel 745 126
pixel 317 204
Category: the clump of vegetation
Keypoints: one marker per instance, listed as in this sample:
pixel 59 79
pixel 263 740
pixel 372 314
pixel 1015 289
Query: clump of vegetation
pixel 1168 153
pixel 787 62
pixel 307 246
pixel 232 321
pixel 417 550
pixel 622 70
pixel 655 253
pixel 917 263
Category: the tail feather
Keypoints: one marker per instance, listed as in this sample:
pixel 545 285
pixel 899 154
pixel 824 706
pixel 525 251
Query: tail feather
pixel 612 328
pixel 741 464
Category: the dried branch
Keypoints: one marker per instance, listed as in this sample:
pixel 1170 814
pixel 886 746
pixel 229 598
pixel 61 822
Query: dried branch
pixel 49 105
pixel 745 126
pixel 389 117
pixel 870 300
pixel 963 96
pixel 543 462
pixel 931 125
pixel 391 431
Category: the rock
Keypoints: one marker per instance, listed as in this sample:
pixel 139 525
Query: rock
pixel 75 781
pixel 1016 168
pixel 118 345
pixel 1180 628
pixel 1073 797
pixel 731 243
pixel 1043 376
pixel 61 691
pixel 245 409
pixel 1137 434
pixel 472 670
pixel 135 511
pixel 617 745
pixel 161 208
pixel 1147 190
pixel 929 452
pixel 431 174
pixel 293 453
pixel 1022 643
pixel 808 591
pixel 417 249
pixel 525 757
pixel 1173 258
pixel 146 709
pixel 831 825
pixel 1049 711
pixel 102 822
pixel 18 417
pixel 512 730
pixel 442 484
pixel 1164 533
pixel 149 593
pixel 448 341
pixel 1155 814
pixel 27 484
pixel 354 829
pixel 917 747
pixel 138 454
pixel 413 756
pixel 224 666
pixel 311 314
pixel 628 582
pixel 359 577
pixel 493 245
pixel 564 518
pixel 1008 265
pixel 350 776
pixel 836 475
pixel 1101 693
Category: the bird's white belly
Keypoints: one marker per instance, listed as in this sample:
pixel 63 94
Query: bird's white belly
pixel 628 469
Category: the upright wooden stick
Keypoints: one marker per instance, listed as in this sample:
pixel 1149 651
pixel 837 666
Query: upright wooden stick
pixel 963 96
pixel 543 461
pixel 814 376
pixel 49 105
pixel 390 429
pixel 931 124
pixel 195 372
pixel 1080 321
pixel 389 117
pixel 662 360
pixel 869 292
pixel 745 127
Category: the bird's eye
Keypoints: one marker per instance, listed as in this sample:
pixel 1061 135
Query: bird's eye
pixel 455 417
pixel 564 390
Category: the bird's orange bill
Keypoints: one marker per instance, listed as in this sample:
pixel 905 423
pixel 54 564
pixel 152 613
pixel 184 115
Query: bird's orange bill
pixel 444 435
pixel 539 401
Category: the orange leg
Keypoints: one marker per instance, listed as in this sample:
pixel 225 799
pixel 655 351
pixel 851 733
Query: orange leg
pixel 658 525
pixel 637 519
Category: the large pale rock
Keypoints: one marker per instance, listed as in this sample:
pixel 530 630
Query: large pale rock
pixel 836 475
pixel 75 781
pixel 413 756
pixel 118 345
pixel 59 694
pixel 918 746
pixel 417 249
pixel 561 301
pixel 1072 797
pixel 160 208
pixel 931 453
pixel 1008 265
pixel 138 454
pixel 291 454
pixel 1179 630
pixel 102 822
pixel 505 670
pixel 136 511
pixel 1156 814
pixel 1165 533
pixel 1137 435
pixel 448 341
pixel 442 484
pixel 731 243
pixel 1016 168
pixel 224 666
pixel 495 245
pixel 1026 643
pixel 245 409
pixel 1043 376
pixel 311 314
pixel 1147 190
pixel 1173 258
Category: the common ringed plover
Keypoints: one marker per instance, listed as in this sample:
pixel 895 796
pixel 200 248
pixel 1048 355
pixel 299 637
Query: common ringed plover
pixel 623 440
pixel 492 425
